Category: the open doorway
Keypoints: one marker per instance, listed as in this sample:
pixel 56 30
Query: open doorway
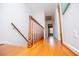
pixel 49 26
pixel 50 30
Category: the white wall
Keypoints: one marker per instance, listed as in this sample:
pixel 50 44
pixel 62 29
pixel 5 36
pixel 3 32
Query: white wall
pixel 56 26
pixel 70 23
pixel 19 15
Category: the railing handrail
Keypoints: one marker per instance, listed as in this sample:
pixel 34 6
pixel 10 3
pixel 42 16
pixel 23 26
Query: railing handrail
pixel 36 21
pixel 19 31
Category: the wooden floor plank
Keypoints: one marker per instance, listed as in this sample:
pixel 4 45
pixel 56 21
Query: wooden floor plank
pixel 39 49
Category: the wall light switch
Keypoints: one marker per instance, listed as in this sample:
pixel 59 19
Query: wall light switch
pixel 75 34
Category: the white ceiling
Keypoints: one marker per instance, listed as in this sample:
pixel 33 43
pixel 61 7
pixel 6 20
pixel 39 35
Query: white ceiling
pixel 48 8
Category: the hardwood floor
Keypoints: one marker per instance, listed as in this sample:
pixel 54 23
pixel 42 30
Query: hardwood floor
pixel 42 48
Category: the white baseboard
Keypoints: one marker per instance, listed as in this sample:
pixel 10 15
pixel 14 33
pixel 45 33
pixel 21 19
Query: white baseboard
pixel 72 48
pixel 6 42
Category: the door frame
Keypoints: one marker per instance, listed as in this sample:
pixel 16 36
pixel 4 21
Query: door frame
pixel 60 23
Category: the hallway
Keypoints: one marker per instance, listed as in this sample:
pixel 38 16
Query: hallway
pixel 42 48
pixel 38 29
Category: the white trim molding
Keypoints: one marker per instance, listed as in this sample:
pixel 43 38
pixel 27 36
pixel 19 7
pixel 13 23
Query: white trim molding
pixel 72 48
pixel 9 43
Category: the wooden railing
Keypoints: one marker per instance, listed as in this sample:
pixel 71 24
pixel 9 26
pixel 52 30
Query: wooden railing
pixel 19 31
pixel 35 31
